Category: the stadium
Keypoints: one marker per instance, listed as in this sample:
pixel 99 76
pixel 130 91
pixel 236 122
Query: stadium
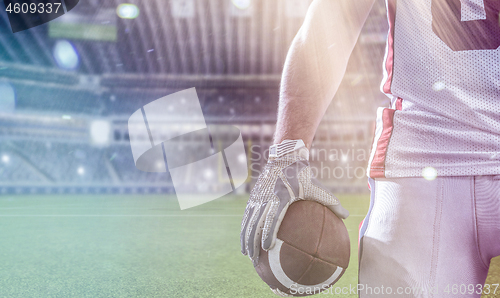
pixel 78 218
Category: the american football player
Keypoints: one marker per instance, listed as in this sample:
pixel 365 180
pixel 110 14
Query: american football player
pixel 434 168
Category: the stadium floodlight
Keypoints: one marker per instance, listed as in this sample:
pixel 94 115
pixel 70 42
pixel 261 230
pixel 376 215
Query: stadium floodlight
pixel 183 8
pixel 240 8
pixel 65 55
pixel 100 132
pixel 81 171
pixel 127 11
pixel 242 4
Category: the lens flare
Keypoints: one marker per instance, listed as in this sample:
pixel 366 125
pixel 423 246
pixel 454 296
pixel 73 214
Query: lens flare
pixel 65 55
pixel 242 4
pixel 127 11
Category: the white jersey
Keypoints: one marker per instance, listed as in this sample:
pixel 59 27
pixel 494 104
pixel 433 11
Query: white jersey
pixel 442 72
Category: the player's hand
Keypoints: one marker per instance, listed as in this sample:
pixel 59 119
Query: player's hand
pixel 285 179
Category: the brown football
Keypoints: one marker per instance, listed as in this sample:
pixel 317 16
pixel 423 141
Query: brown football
pixel 311 253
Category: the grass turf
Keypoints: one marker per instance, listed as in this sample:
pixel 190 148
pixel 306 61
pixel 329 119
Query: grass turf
pixel 136 246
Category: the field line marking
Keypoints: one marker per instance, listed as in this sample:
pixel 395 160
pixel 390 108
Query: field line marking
pixel 118 215
pixel 128 215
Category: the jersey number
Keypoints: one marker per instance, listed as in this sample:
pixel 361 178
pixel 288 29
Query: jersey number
pixel 466 25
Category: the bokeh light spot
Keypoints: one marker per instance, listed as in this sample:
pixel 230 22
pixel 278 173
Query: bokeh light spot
pixel 127 11
pixel 429 173
pixel 65 55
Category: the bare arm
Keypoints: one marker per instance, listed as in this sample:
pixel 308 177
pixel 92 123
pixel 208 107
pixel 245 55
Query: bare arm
pixel 315 65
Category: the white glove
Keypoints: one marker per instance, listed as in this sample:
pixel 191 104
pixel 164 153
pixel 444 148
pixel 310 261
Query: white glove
pixel 285 179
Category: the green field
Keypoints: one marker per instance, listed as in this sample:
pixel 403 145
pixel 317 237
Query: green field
pixel 135 246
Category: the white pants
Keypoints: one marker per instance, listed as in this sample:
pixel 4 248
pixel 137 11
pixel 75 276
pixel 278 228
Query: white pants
pixel 429 238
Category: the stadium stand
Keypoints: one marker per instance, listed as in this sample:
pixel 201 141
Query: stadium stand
pixel 46 145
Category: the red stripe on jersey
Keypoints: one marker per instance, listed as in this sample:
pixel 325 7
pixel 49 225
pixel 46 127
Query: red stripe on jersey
pixel 377 167
pixel 389 61
pixel 399 104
